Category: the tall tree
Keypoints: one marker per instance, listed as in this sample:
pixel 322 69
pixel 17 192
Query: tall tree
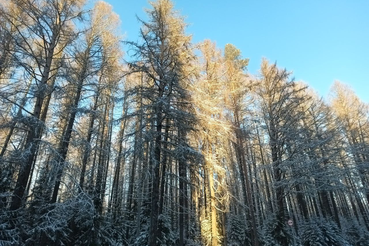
pixel 352 120
pixel 279 99
pixel 42 34
pixel 164 57
pixel 212 136
pixel 97 55
pixel 237 85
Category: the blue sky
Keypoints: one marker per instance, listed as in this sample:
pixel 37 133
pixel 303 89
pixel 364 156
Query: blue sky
pixel 320 41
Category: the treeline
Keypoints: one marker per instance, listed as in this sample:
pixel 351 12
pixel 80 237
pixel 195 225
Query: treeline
pixel 180 145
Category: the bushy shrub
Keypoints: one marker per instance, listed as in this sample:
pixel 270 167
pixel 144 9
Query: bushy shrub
pixel 321 232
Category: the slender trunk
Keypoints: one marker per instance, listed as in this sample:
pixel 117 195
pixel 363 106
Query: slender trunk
pixel 107 147
pixel 214 224
pixel 163 168
pixel 183 210
pixel 65 140
pixel 267 190
pixel 279 191
pixel 155 185
pixel 87 149
pixel 246 184
pixel 129 207
pixel 115 203
pixel 102 160
pixel 155 163
pixel 302 202
pixel 34 134
pixel 137 158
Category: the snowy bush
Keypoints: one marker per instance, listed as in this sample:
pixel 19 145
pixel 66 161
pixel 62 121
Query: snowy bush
pixel 273 232
pixel 356 234
pixel 321 232
pixel 236 230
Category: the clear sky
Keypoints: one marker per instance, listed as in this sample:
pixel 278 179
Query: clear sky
pixel 320 41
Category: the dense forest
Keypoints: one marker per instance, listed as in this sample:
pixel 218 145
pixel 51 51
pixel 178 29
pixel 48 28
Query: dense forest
pixel 173 143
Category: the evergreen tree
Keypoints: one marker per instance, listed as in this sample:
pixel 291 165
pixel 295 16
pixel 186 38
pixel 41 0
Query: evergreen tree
pixel 163 57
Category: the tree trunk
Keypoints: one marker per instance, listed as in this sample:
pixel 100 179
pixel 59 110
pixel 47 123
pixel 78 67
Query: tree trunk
pixel 65 139
pixel 183 210
pixel 214 224
pixel 155 163
pixel 35 133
